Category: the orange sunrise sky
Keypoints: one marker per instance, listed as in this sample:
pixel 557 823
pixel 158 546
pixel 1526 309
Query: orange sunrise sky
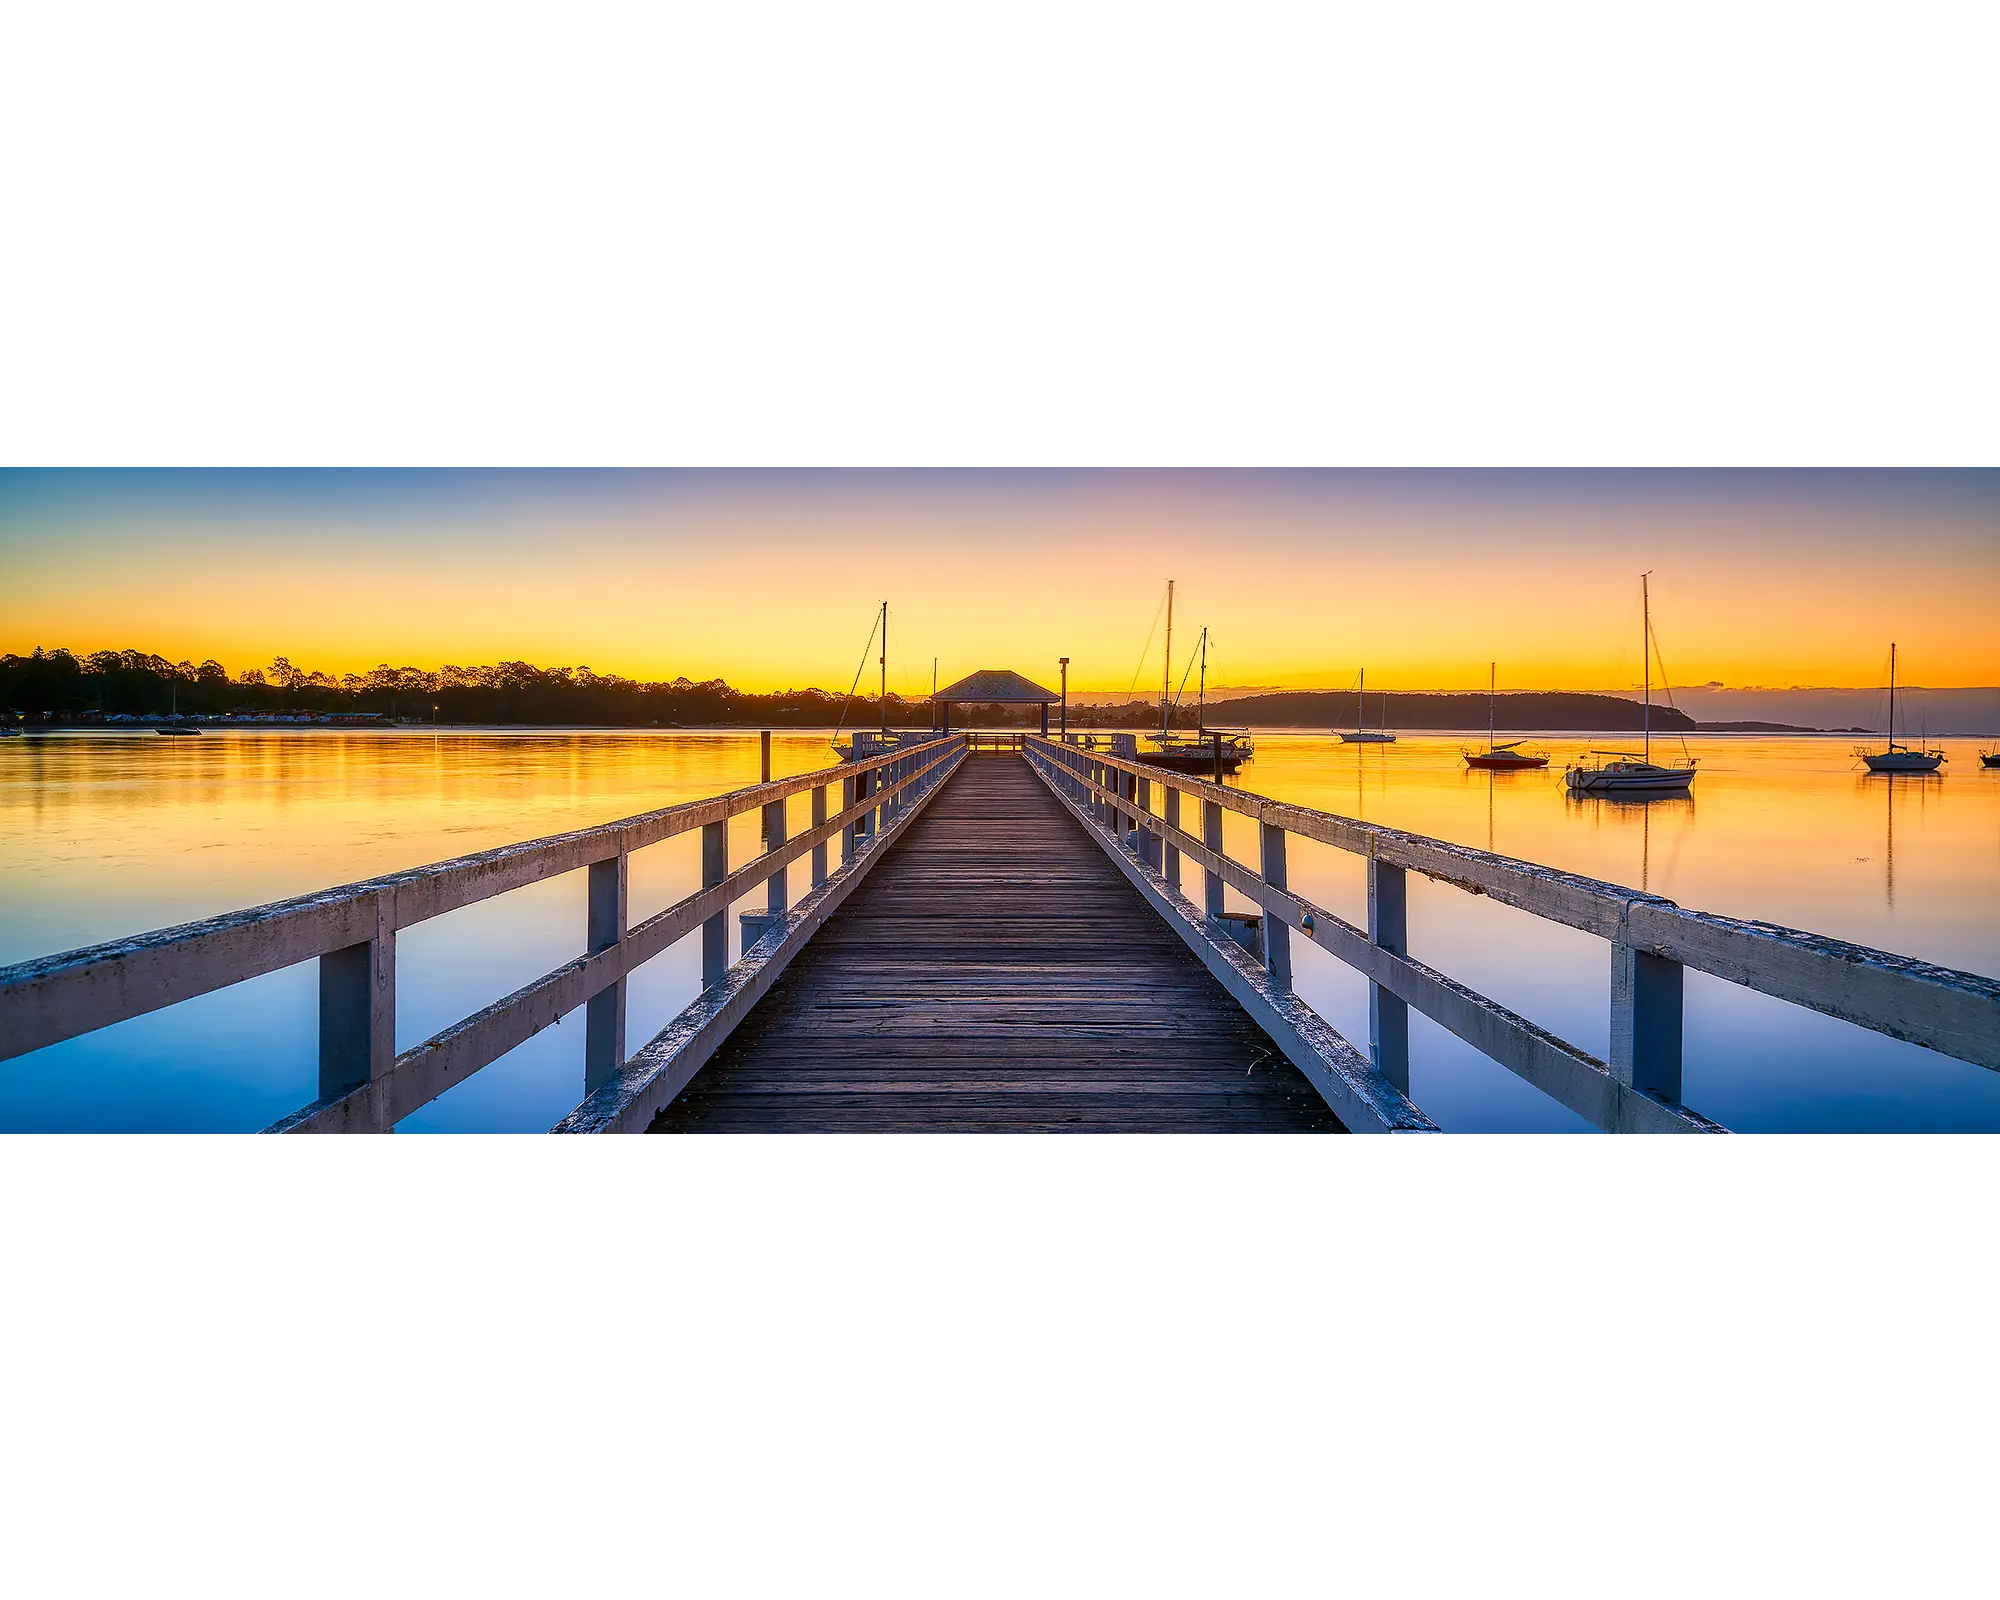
pixel 770 579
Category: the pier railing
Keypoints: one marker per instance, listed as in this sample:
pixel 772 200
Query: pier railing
pixel 366 1085
pixel 1652 943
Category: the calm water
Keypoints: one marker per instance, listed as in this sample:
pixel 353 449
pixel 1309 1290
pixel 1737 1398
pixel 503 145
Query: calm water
pixel 108 834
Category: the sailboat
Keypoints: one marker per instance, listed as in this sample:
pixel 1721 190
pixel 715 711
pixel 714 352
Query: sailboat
pixel 1895 757
pixel 1361 735
pixel 1501 757
pixel 1201 750
pixel 178 730
pixel 1624 772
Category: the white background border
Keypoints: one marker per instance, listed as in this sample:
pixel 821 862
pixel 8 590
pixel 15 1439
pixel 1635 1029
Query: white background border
pixel 1044 235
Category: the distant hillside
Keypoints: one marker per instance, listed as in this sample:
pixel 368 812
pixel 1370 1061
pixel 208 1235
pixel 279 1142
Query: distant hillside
pixel 1551 712
pixel 1937 712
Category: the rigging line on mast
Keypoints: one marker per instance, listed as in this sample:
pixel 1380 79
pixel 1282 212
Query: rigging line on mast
pixel 1666 685
pixel 1147 649
pixel 1182 690
pixel 860 668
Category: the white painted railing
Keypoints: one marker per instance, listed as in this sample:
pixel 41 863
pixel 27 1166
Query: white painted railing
pixel 364 1084
pixel 1652 942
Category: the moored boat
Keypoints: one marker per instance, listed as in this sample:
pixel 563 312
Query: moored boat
pixel 176 729
pixel 1505 758
pixel 1184 752
pixel 1362 734
pixel 1989 758
pixel 1894 757
pixel 1509 757
pixel 1625 771
pixel 1628 772
pixel 1203 750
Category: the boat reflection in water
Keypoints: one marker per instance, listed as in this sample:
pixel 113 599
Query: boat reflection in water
pixel 1625 809
pixel 1920 781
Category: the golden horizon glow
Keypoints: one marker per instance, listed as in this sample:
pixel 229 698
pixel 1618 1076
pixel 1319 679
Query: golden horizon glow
pixel 771 584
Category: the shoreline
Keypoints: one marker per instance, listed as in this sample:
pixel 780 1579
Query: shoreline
pixel 1272 731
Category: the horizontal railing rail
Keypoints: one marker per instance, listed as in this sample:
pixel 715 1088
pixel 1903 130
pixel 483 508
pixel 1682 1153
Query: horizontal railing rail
pixel 1653 941
pixel 350 931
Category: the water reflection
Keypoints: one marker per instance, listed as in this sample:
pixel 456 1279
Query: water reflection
pixel 1640 810
pixel 1782 829
pixel 1889 783
pixel 108 834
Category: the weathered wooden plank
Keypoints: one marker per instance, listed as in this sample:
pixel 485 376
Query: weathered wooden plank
pixel 995 973
pixel 670 1060
pixel 1941 1008
pixel 1572 1077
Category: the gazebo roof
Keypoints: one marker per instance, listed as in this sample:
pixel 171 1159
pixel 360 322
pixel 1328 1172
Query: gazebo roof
pixel 989 686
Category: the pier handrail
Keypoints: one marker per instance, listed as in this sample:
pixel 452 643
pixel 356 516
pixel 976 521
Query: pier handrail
pixel 350 931
pixel 1652 941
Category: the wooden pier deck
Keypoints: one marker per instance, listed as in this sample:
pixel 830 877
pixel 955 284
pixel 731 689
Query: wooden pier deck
pixel 996 973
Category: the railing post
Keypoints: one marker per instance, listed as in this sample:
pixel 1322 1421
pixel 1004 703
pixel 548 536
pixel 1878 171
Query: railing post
pixel 819 850
pixel 864 825
pixel 714 929
pixel 1277 933
pixel 1171 856
pixel 357 1010
pixel 1148 843
pixel 1646 1020
pixel 776 900
pixel 1389 929
pixel 850 840
pixel 1211 880
pixel 604 1015
pixel 764 743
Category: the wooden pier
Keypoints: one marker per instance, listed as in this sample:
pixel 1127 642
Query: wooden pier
pixel 1004 942
pixel 997 974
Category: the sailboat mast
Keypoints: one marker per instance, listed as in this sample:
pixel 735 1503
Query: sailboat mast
pixel 884 664
pixel 1201 691
pixel 1167 658
pixel 1360 702
pixel 1892 695
pixel 1646 655
pixel 1492 677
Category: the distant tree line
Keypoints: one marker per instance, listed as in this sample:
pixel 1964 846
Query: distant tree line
pixel 65 686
